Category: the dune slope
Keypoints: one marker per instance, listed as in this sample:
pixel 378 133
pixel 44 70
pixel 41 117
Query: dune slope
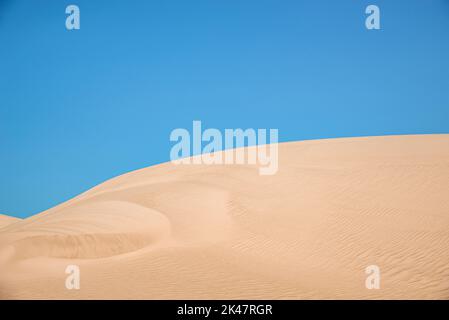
pixel 7 220
pixel 223 231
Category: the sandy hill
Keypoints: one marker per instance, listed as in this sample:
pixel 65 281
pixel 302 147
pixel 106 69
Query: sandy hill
pixel 7 220
pixel 195 231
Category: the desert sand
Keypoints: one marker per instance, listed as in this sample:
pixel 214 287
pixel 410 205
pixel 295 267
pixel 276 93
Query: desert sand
pixel 334 207
pixel 7 220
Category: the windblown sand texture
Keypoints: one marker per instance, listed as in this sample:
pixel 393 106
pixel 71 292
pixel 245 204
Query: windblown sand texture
pixel 223 231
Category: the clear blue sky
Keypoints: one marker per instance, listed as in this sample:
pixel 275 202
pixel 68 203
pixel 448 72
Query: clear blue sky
pixel 80 107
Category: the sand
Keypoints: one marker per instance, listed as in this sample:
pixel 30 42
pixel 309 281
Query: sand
pixel 223 231
pixel 7 220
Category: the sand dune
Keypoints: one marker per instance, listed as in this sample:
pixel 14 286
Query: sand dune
pixel 223 231
pixel 7 220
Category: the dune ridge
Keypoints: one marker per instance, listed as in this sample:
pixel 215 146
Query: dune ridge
pixel 335 207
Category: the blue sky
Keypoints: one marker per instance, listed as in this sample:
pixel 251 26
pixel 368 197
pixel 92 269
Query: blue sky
pixel 80 107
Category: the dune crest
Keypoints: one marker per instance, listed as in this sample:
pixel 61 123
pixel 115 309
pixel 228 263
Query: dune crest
pixel 335 207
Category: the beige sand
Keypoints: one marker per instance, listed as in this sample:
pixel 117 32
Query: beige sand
pixel 195 231
pixel 7 220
